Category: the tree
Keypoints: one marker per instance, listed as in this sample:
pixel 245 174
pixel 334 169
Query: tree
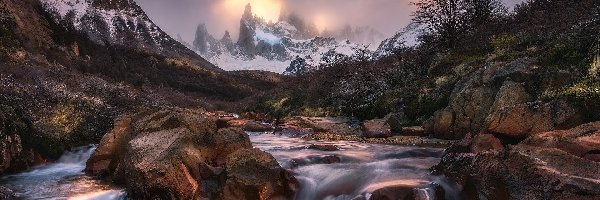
pixel 449 19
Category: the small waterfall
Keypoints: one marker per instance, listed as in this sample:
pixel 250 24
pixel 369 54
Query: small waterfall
pixel 63 179
pixel 425 194
pixel 78 155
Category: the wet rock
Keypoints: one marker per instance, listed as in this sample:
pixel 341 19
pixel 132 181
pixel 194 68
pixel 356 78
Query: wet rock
pixel 328 159
pixel 6 193
pixel 376 128
pixel 521 120
pixel 394 193
pixel 254 174
pixel 442 126
pixel 582 141
pixel 292 128
pixel 397 121
pixel 237 123
pixel 402 192
pixel 413 131
pixel 253 116
pixel 323 147
pixel 253 126
pixel 413 153
pixel 335 125
pixel 550 165
pixel 172 153
pixel 107 152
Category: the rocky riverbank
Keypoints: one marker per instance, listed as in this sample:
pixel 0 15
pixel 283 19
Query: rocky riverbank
pixel 549 165
pixel 174 153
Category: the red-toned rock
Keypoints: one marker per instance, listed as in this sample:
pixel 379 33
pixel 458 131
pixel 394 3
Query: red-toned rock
pixel 254 174
pixel 174 153
pixel 376 128
pixel 253 126
pixel 549 165
pixel 485 142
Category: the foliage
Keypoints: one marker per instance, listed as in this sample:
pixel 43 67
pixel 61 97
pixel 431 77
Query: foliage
pixel 448 20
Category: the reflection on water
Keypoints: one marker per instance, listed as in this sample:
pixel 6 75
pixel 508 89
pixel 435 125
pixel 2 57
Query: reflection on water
pixel 362 168
pixel 64 179
pixel 356 169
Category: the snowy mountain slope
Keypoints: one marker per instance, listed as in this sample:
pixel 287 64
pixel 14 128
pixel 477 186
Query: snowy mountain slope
pixel 114 22
pixel 403 38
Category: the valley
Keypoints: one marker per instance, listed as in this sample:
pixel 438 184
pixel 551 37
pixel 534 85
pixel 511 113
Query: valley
pixel 99 102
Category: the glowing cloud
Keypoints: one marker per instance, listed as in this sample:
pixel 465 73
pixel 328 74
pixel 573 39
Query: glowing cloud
pixel 321 21
pixel 266 9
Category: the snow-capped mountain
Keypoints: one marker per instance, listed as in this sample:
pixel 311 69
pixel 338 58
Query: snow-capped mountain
pixel 404 38
pixel 114 22
pixel 273 46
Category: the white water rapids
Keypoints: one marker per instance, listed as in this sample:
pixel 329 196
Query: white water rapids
pixel 355 170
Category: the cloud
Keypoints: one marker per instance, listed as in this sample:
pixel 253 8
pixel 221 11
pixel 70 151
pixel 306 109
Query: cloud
pixel 182 16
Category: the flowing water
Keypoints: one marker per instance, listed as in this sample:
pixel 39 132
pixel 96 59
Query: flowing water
pixel 355 170
pixel 63 179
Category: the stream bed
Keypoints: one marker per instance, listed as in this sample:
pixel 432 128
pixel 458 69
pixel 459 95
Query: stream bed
pixel 353 170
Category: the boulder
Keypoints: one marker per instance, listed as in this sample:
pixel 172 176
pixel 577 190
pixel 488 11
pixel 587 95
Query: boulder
pixel 293 128
pixel 254 174
pixel 376 128
pixel 413 131
pixel 394 193
pixel 489 88
pixel 521 120
pixel 406 192
pixel 170 153
pixel 397 121
pixel 323 147
pixel 442 124
pixel 510 94
pixel 582 141
pixel 485 142
pixel 237 123
pixel 550 165
pixel 494 98
pixel 253 126
pixel 335 125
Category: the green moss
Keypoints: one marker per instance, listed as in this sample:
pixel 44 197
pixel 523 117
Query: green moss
pixel 584 94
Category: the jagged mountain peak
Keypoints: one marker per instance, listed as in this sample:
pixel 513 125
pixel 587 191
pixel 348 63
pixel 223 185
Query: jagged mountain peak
pixel 248 12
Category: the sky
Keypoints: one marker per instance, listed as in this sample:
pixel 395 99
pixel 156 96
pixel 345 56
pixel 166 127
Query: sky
pixel 183 16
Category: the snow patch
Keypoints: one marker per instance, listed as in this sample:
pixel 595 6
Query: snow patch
pixel 269 38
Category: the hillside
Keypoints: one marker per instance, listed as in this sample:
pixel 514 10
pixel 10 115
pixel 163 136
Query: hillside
pixel 68 68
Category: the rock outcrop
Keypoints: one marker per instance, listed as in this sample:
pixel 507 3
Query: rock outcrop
pixel 495 99
pixel 550 165
pixel 174 153
pixel 519 121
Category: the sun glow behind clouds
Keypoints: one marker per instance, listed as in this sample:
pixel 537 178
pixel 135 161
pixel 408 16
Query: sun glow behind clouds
pixel 321 21
pixel 266 9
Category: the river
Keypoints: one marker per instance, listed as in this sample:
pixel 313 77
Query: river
pixel 354 170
